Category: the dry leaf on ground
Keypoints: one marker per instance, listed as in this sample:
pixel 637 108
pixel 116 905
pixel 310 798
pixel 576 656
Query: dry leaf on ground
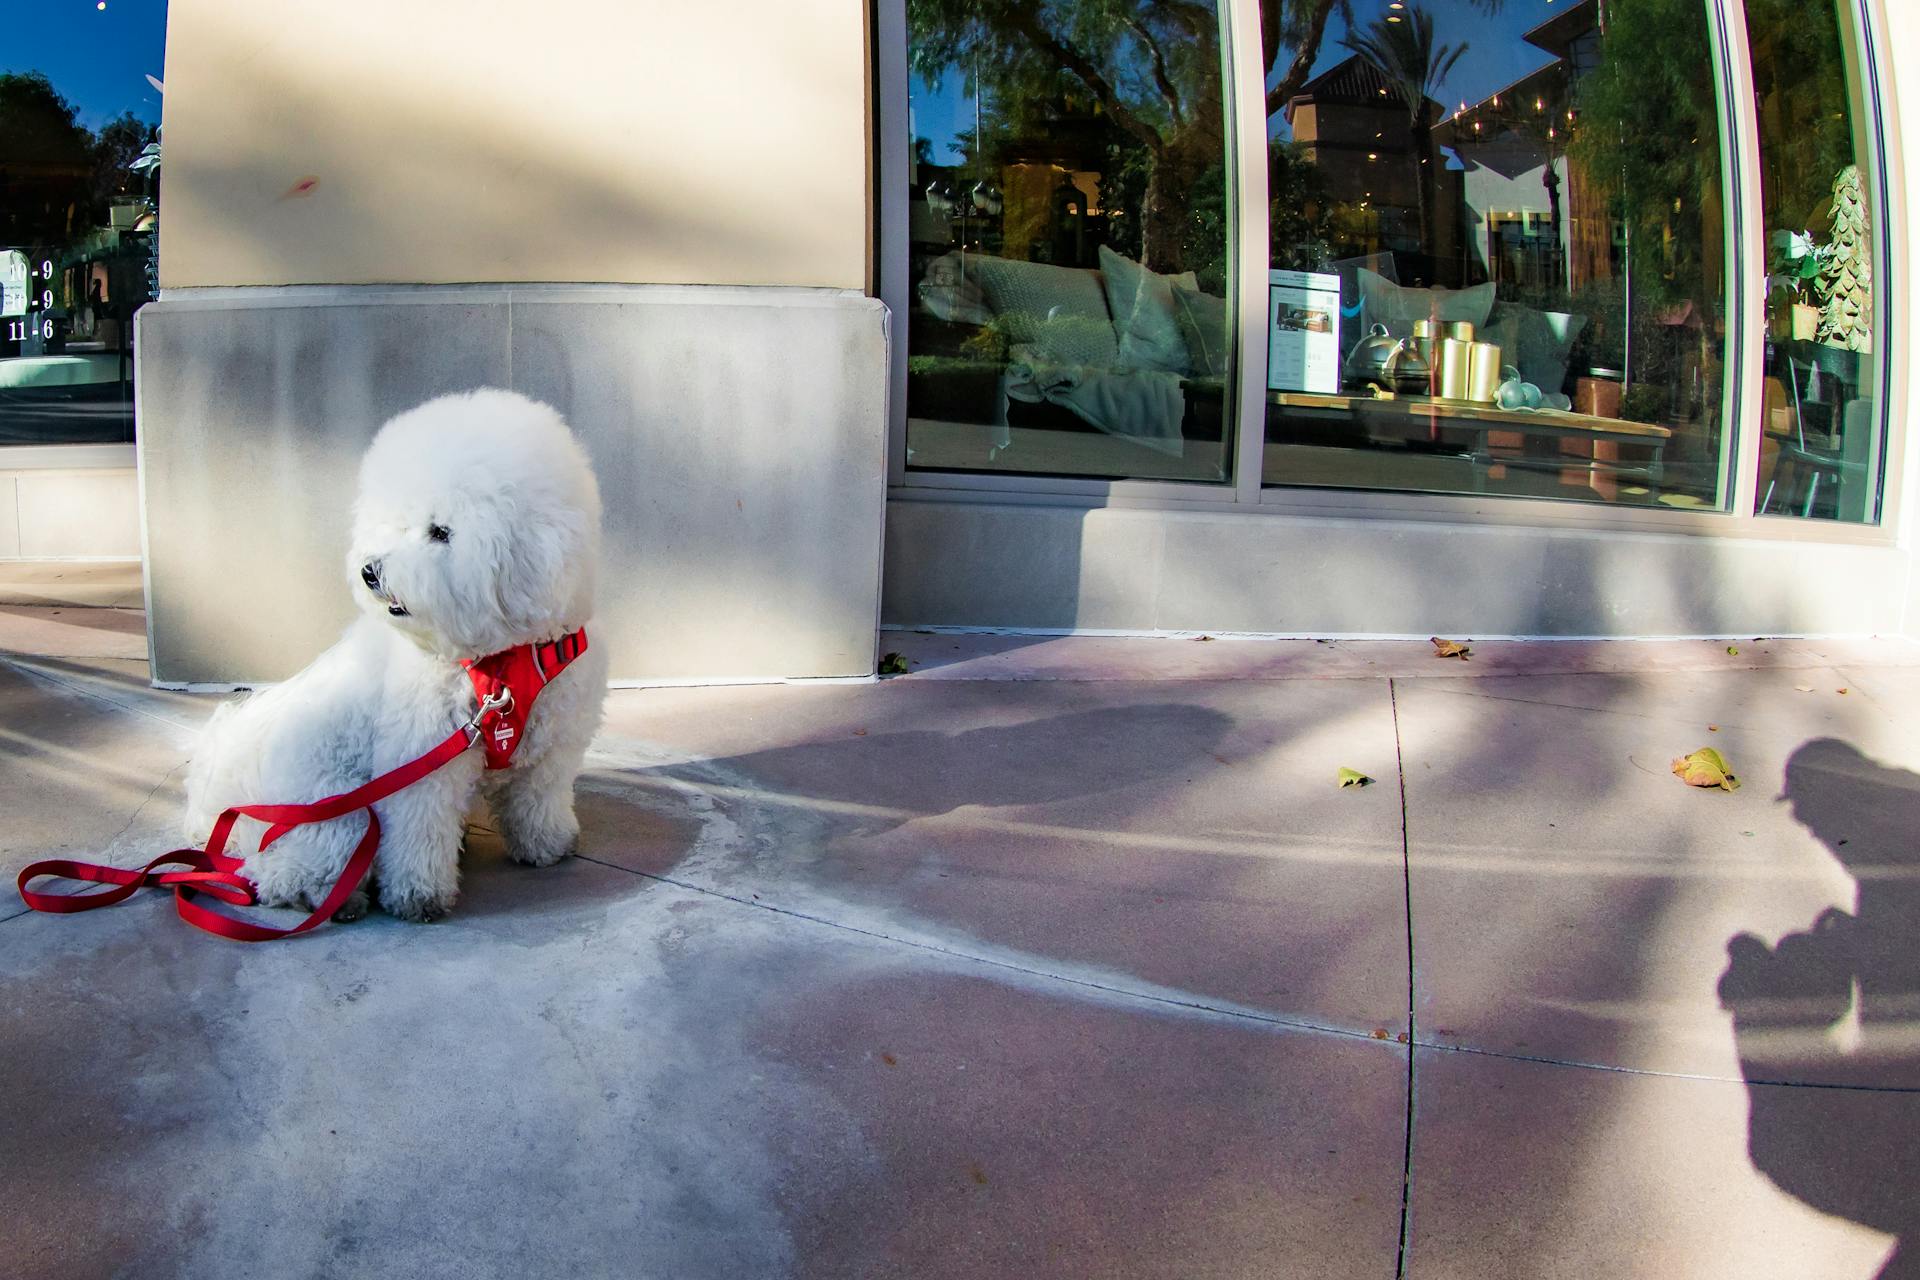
pixel 1706 768
pixel 1354 778
pixel 1449 648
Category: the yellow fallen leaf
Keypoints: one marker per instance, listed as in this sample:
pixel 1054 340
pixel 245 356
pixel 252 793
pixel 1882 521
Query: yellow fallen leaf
pixel 1449 648
pixel 1731 649
pixel 1706 768
pixel 1840 691
pixel 1354 778
pixel 1713 728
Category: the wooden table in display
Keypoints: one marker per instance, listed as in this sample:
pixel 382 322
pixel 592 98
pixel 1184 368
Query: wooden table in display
pixel 1420 418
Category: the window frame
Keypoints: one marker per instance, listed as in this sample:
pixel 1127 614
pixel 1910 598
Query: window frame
pixel 1864 23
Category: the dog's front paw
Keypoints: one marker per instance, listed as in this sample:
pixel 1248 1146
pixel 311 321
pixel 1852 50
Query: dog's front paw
pixel 418 907
pixel 542 849
pixel 279 883
pixel 353 908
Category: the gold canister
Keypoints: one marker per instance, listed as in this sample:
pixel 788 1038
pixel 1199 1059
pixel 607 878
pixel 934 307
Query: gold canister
pixel 1456 369
pixel 1426 338
pixel 1460 330
pixel 1483 371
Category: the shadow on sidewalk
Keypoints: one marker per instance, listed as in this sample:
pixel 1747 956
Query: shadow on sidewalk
pixel 892 777
pixel 1837 1004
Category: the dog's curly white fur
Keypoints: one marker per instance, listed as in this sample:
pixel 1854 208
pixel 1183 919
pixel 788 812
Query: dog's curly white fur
pixel 476 528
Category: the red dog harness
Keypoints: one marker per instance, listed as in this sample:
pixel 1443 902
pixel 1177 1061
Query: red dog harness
pixel 528 668
pixel 506 685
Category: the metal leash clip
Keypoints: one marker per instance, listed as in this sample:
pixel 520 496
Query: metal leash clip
pixel 501 701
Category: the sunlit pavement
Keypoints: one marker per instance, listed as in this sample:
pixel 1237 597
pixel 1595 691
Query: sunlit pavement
pixel 1052 958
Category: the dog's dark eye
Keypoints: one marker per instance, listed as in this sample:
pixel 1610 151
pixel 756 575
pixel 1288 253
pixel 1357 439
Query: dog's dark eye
pixel 439 532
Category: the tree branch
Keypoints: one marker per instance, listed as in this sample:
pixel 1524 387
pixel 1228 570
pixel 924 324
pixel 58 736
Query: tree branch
pixel 1161 79
pixel 1303 57
pixel 1026 20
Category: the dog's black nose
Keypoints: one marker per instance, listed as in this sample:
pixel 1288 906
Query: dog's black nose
pixel 370 574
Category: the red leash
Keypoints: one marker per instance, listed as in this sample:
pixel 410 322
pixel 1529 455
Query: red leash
pixel 211 871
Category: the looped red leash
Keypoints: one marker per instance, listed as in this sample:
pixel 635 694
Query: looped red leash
pixel 498 724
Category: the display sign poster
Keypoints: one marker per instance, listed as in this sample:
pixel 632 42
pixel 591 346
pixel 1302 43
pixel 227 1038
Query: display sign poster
pixel 13 282
pixel 1303 332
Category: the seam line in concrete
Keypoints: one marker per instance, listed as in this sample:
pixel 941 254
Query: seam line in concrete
pixel 1413 1027
pixel 1846 674
pixel 1703 1077
pixel 26 667
pixel 1192 1006
pixel 1239 1015
pixel 1650 717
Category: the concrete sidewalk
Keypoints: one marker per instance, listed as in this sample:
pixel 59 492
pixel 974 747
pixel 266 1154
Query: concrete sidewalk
pixel 1054 958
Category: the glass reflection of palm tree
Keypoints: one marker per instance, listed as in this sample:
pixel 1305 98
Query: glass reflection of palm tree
pixel 1401 48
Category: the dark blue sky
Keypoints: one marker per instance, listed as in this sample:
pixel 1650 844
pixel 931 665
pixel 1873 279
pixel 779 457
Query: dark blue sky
pixel 1496 56
pixel 99 59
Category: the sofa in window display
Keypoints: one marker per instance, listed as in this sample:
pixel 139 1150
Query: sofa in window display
pixel 1007 343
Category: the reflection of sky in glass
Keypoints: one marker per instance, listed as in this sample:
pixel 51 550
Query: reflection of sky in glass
pixel 97 58
pixel 1496 56
pixel 943 113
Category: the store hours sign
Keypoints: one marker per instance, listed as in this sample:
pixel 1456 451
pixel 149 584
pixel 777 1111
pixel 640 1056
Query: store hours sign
pixel 26 297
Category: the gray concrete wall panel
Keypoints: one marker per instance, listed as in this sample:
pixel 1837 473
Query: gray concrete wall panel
pixel 739 438
pixel 1111 569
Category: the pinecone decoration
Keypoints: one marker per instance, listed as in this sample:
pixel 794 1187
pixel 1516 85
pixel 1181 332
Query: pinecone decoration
pixel 1845 282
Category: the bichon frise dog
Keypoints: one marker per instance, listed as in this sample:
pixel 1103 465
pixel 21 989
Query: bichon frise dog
pixel 476 529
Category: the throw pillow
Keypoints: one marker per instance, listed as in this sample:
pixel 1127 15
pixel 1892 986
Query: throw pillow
pixel 1060 310
pixel 1203 323
pixel 1397 306
pixel 1141 301
pixel 951 290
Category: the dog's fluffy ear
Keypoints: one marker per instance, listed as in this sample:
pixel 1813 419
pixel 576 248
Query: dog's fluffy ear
pixel 540 580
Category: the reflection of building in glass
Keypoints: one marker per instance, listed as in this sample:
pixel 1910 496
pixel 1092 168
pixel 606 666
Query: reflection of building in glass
pixel 1353 126
pixel 1534 220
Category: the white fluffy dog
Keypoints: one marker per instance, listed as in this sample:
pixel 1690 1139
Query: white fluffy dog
pixel 476 529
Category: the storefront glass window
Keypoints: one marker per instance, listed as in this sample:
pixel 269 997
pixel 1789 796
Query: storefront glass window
pixel 1071 233
pixel 1820 438
pixel 1511 212
pixel 77 215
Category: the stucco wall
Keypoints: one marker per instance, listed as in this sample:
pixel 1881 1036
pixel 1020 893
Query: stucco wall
pixel 738 435
pixel 439 141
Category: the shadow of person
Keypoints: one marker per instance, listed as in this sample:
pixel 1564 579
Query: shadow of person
pixel 1823 1022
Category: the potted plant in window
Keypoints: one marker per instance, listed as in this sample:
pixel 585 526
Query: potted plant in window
pixel 1845 281
pixel 1797 262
